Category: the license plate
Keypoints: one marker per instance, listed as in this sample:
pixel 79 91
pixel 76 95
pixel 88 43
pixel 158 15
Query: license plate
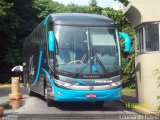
pixel 91 95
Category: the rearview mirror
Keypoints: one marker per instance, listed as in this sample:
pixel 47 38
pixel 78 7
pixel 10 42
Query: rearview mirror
pixel 51 41
pixel 127 41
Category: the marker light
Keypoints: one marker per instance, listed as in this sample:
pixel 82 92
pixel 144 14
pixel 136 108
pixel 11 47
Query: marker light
pixel 115 84
pixel 62 83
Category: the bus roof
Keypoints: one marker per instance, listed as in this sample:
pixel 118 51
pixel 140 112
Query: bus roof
pixel 80 19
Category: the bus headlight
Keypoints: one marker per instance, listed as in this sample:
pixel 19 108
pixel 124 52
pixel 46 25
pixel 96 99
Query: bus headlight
pixel 115 84
pixel 62 83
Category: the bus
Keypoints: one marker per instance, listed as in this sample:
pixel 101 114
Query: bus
pixel 74 57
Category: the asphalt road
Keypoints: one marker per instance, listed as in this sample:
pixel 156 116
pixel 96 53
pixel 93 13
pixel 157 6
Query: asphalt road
pixel 35 107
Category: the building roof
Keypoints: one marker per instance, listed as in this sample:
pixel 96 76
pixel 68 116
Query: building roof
pixel 80 19
pixel 141 11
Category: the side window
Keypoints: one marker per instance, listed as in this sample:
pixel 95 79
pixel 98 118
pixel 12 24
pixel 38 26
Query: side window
pixel 35 42
pixel 50 54
pixel 137 41
pixel 149 41
pixel 152 37
pixel 140 40
pixel 42 37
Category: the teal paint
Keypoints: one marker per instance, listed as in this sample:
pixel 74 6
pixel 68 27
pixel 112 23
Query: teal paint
pixel 39 67
pixel 51 41
pixel 46 20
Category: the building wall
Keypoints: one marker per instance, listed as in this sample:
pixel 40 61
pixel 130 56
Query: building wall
pixel 147 83
pixel 140 11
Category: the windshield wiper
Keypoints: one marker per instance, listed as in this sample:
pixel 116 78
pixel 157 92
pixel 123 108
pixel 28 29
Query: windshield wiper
pixel 82 60
pixel 79 67
pixel 100 62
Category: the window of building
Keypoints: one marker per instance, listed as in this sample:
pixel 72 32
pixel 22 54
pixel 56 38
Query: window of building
pixel 152 37
pixel 147 38
pixel 139 40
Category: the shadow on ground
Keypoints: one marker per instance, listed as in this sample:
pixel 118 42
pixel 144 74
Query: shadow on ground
pixel 80 106
pixel 92 106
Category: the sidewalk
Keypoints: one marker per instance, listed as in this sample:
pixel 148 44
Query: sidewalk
pixel 9 85
pixel 5 90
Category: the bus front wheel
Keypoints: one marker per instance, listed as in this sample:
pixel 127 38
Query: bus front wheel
pixel 100 103
pixel 48 100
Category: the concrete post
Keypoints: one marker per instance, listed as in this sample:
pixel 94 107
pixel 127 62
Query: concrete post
pixel 1 111
pixel 15 89
pixel 15 104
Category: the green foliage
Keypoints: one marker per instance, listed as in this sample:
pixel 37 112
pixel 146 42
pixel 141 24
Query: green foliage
pixel 125 2
pixel 4 6
pixel 119 19
pixel 93 8
pixel 15 26
pixel 156 73
pixel 72 8
pixel 128 90
pixel 45 7
pixel 93 3
pixel 158 97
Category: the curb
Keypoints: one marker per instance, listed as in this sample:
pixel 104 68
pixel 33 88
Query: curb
pixel 9 85
pixel 6 85
pixel 142 110
pixel 1 111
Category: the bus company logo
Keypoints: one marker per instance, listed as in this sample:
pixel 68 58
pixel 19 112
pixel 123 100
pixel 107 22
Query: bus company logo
pixel 103 81
pixel 91 76
pixel 91 87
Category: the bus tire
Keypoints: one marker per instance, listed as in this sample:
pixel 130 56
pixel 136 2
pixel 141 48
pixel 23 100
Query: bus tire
pixel 28 90
pixel 100 103
pixel 48 100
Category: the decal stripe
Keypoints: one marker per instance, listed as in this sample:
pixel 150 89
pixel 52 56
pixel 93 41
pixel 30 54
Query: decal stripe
pixel 48 76
pixel 81 82
pixel 46 20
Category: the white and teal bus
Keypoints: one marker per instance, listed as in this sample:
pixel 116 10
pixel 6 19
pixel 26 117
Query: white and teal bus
pixel 74 57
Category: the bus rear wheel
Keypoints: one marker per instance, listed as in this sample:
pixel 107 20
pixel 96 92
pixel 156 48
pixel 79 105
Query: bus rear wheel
pixel 28 90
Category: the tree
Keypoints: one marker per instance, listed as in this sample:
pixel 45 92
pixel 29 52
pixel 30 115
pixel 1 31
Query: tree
pixel 73 8
pixel 125 2
pixel 93 3
pixel 18 18
pixel 93 8
pixel 46 7
pixel 15 23
pixel 4 6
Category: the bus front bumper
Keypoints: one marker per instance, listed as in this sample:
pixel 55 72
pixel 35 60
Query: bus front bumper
pixel 61 94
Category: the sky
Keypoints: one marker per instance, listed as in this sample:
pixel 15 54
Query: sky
pixel 102 3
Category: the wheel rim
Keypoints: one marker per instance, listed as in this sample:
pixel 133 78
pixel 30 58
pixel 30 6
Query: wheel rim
pixel 28 88
pixel 46 92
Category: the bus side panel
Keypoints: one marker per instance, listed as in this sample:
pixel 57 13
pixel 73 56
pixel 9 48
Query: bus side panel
pixel 25 63
pixel 35 54
pixel 44 62
pixel 31 56
pixel 35 58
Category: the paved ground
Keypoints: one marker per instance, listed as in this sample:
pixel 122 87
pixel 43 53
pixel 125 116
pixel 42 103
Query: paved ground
pixel 35 107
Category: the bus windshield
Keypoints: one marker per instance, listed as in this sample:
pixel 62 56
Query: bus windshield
pixel 81 48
